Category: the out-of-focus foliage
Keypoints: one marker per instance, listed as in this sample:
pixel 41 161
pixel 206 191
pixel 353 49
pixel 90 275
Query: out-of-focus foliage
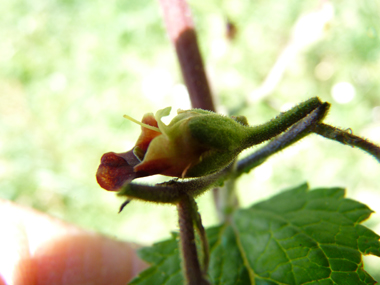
pixel 70 69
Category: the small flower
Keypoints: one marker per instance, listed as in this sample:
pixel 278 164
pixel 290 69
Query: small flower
pixel 195 143
pixel 118 168
pixel 115 169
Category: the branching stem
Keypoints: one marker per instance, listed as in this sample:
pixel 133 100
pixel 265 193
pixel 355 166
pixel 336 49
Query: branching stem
pixel 192 269
pixel 294 134
pixel 282 122
pixel 181 32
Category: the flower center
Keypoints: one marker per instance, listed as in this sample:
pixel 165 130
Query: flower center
pixel 142 124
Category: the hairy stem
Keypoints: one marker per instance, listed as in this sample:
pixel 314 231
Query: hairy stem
pixel 294 134
pixel 173 191
pixel 346 137
pixel 282 122
pixel 192 270
pixel 181 31
pixel 227 198
pixel 202 236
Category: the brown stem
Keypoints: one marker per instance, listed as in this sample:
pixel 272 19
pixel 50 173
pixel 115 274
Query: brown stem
pixel 181 31
pixel 346 137
pixel 192 270
pixel 180 28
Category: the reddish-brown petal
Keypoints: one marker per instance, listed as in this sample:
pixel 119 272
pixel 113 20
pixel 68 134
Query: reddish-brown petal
pixel 115 169
pixel 147 135
pixel 158 166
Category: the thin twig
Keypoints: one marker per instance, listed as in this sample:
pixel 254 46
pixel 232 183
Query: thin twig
pixel 202 235
pixel 173 191
pixel 192 270
pixel 180 28
pixel 283 121
pixel 181 31
pixel 346 137
pixel 294 134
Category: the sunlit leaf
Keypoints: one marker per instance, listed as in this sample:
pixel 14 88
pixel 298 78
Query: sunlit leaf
pixel 296 237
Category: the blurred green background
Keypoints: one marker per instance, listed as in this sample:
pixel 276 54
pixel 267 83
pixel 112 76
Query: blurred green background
pixel 70 69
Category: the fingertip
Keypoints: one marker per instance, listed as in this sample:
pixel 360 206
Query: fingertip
pixel 86 259
pixel 38 249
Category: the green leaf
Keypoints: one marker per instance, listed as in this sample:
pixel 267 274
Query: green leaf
pixel 296 237
pixel 166 264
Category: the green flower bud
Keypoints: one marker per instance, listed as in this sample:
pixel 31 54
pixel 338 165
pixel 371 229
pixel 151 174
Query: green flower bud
pixel 195 143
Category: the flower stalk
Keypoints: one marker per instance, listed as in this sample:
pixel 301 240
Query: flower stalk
pixel 191 265
pixel 180 28
pixel 298 131
pixel 346 137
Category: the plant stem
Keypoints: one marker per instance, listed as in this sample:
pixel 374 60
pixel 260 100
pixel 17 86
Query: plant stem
pixel 202 236
pixel 181 31
pixel 346 137
pixel 192 270
pixel 282 122
pixel 180 28
pixel 173 191
pixel 294 134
